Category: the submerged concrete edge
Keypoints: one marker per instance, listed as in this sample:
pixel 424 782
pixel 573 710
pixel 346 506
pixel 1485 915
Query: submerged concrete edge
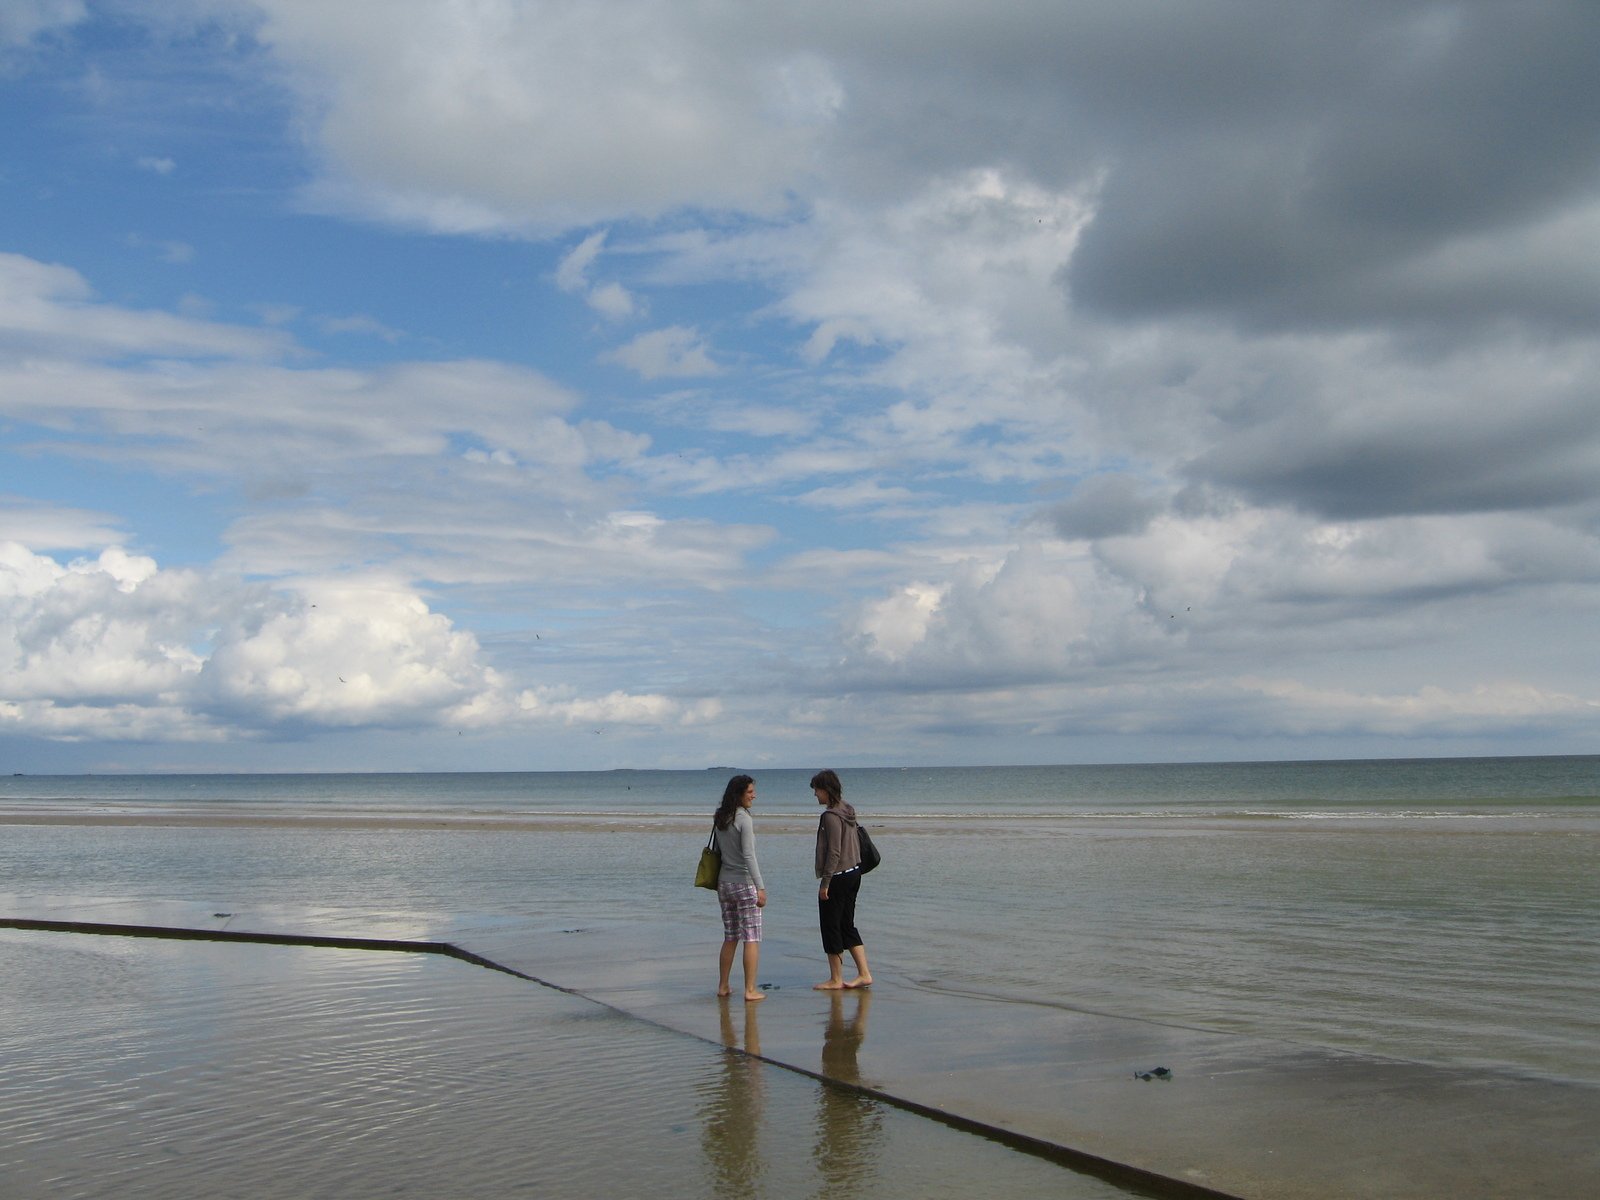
pixel 1110 1170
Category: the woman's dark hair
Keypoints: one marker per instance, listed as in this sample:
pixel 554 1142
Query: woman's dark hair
pixel 731 795
pixel 829 782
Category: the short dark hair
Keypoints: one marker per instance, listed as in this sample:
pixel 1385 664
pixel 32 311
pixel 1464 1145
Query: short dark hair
pixel 828 781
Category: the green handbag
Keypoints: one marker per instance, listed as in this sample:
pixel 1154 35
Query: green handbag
pixel 705 875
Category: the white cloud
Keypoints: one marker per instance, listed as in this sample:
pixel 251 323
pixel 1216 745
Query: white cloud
pixel 547 116
pixel 504 488
pixel 572 273
pixel 611 300
pixel 614 301
pixel 52 527
pixel 862 494
pixel 351 653
pixel 155 165
pixel 115 647
pixel 671 353
pixel 934 321
pixel 616 708
pixel 1026 614
pixel 898 622
pixel 51 308
pixel 1485 707
pixel 110 630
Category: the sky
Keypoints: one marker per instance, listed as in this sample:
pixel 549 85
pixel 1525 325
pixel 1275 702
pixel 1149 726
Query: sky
pixel 495 385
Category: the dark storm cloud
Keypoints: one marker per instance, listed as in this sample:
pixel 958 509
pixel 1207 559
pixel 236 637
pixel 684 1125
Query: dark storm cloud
pixel 1529 453
pixel 1384 132
pixel 1105 506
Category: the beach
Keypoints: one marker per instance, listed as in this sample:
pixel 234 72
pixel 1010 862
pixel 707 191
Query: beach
pixel 1452 941
pixel 142 1068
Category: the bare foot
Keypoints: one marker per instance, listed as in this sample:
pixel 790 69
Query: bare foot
pixel 864 982
pixel 829 985
pixel 751 997
pixel 722 991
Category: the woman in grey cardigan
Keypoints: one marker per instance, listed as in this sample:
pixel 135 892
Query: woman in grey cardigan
pixel 739 888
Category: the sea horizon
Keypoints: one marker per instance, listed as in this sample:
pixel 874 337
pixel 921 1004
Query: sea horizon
pixel 840 766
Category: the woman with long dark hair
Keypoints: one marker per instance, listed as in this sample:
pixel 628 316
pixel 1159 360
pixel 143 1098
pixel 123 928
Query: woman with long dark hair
pixel 740 891
pixel 838 882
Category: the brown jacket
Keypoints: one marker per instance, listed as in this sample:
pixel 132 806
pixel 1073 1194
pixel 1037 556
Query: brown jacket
pixel 838 847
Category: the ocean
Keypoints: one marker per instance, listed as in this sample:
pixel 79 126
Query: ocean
pixel 1442 911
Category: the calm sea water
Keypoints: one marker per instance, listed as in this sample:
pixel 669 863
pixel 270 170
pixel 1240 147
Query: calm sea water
pixel 1435 910
pixel 1382 788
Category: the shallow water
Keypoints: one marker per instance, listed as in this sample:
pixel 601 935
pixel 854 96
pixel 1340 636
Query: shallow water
pixel 1443 910
pixel 1455 943
pixel 141 1068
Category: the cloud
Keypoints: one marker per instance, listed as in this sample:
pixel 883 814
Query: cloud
pixel 360 323
pixel 1023 370
pixel 1227 713
pixel 167 251
pixel 1105 506
pixel 1298 157
pixel 547 116
pixel 155 165
pixel 864 494
pixel 51 527
pixel 1385 433
pixel 673 353
pixel 1429 709
pixel 1268 163
pixel 617 708
pixel 97 633
pixel 893 625
pixel 352 653
pixel 611 300
pixel 114 647
pixel 24 21
pixel 50 308
pixel 504 486
pixel 573 271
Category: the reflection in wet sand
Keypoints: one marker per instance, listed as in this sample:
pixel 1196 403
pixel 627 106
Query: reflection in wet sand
pixel 731 1114
pixel 849 1124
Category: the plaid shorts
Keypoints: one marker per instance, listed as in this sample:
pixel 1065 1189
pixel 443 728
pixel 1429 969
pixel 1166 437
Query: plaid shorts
pixel 741 917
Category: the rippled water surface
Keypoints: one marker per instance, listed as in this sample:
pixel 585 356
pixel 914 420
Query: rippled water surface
pixel 1444 911
pixel 145 1068
pixel 1464 945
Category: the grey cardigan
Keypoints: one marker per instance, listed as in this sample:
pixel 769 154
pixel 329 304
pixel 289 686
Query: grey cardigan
pixel 738 846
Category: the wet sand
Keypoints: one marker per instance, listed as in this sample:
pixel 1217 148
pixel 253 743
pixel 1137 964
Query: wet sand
pixel 141 1067
pixel 1237 1116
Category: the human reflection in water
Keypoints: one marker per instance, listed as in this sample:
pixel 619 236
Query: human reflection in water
pixel 731 1108
pixel 849 1134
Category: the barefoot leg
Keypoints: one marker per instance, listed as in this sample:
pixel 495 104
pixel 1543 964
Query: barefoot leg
pixel 835 980
pixel 863 975
pixel 752 960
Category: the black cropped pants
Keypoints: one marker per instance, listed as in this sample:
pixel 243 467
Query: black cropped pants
pixel 837 914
